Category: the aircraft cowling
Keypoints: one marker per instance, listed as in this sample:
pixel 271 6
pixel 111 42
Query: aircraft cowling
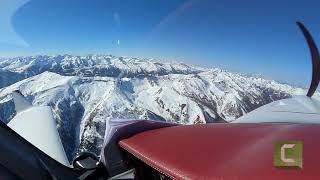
pixel 225 151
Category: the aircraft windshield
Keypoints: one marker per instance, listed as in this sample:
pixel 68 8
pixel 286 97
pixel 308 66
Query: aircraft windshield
pixel 179 61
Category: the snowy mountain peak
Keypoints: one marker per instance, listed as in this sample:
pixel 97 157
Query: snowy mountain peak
pixel 85 92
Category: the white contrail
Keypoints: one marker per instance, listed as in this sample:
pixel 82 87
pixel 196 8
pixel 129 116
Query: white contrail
pixel 7 32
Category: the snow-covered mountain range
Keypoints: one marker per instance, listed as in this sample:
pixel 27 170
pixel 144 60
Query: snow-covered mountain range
pixel 86 91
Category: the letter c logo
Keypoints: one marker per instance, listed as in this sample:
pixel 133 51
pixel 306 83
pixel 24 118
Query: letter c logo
pixel 283 153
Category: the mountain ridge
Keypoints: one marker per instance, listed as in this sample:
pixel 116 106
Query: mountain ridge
pixel 86 92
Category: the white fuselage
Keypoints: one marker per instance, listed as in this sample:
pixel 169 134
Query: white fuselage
pixel 298 109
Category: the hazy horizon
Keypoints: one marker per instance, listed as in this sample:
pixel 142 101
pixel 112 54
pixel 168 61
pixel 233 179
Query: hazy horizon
pixel 241 36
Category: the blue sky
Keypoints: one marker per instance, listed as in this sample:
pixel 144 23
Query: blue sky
pixel 258 37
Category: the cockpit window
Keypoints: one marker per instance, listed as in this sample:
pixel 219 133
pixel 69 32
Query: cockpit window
pixel 178 61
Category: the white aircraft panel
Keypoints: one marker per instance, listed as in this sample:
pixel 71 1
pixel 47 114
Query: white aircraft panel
pixel 36 125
